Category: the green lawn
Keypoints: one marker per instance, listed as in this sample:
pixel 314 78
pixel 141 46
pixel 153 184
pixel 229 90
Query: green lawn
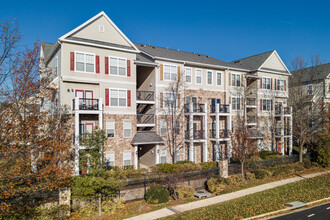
pixel 271 200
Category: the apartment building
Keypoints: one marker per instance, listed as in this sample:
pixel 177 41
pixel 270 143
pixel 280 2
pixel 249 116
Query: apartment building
pixel 111 83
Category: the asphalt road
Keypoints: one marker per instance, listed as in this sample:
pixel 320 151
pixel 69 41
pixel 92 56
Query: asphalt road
pixel 316 213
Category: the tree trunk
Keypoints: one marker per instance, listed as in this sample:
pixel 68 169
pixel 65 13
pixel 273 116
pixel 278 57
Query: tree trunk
pixel 242 168
pixel 100 205
pixel 301 152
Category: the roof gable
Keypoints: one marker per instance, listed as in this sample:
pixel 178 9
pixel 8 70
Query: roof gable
pixel 274 63
pixel 253 62
pixel 90 31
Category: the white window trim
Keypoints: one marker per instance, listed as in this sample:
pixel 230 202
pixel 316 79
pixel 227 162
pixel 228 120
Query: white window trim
pixel 190 75
pixel 309 85
pixel 130 163
pixel 164 101
pixel 270 83
pixel 117 66
pixel 240 81
pixel 217 78
pixel 124 129
pixel 162 150
pixel 114 128
pixel 207 77
pixel 114 157
pixel 196 76
pixel 118 98
pixel 160 128
pixel 172 80
pixel 239 98
pixel 75 62
pixel 270 104
pixel 279 85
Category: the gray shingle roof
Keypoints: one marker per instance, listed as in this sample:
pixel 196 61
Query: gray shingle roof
pixel 253 62
pixel 313 73
pixel 47 47
pixel 183 56
pixel 146 137
pixel 100 42
pixel 144 58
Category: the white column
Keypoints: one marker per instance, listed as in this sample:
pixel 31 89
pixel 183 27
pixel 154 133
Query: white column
pixel 100 104
pixel 205 133
pixel 76 161
pixel 191 133
pixel 135 157
pixel 217 127
pixel 229 129
pixel 157 154
pixel 282 130
pixel 290 138
pixel 76 128
pixel 217 150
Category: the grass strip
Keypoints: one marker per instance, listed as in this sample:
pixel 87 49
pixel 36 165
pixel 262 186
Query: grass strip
pixel 267 201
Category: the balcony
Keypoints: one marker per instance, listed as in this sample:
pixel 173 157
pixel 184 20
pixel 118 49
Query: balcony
pixel 85 104
pixel 197 134
pixel 146 119
pixel 145 96
pixel 222 133
pixel 251 102
pixel 222 108
pixel 251 119
pixel 196 108
pixel 283 110
pixel 287 132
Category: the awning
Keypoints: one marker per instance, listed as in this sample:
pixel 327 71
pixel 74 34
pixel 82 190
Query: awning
pixel 146 137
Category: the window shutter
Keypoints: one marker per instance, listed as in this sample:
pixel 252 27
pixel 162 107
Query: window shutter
pixel 179 100
pixel 97 64
pixel 128 68
pixel 106 97
pixel 179 74
pixel 161 100
pixel 284 85
pixel 161 72
pixel 229 80
pixel 72 61
pixel 260 83
pixel 271 84
pixel 229 99
pixel 242 79
pixel 271 104
pixel 275 84
pixel 260 104
pixel 241 106
pixel 129 98
pixel 106 65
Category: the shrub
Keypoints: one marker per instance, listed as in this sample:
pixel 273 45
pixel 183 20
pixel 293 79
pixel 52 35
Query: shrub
pixel 323 152
pixel 250 176
pixel 184 162
pixel 307 163
pixel 262 174
pixel 282 170
pixel 185 191
pixel 264 154
pixel 315 164
pixel 157 194
pixel 216 184
pixel 176 168
pixel 208 165
pixel 235 179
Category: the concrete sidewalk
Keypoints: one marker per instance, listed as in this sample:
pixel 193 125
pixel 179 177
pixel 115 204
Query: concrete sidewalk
pixel 218 199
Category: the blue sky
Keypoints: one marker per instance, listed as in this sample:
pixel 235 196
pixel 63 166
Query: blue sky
pixel 227 30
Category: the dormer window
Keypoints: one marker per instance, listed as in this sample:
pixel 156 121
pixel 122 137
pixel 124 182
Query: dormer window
pixel 310 89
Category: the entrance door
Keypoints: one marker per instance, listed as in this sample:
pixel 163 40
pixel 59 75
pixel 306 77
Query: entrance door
pixel 89 127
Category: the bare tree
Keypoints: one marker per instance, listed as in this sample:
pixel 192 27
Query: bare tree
pixel 307 107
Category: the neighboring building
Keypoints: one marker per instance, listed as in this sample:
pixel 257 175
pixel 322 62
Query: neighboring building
pixel 119 86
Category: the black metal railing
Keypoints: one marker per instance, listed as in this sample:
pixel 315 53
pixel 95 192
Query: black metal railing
pixel 286 111
pixel 251 119
pixel 251 101
pixel 222 108
pixel 197 134
pixel 287 131
pixel 145 118
pixel 196 107
pixel 222 133
pixel 145 95
pixel 87 104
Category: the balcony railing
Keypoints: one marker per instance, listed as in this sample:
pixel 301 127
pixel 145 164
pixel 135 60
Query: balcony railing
pixel 145 118
pixel 286 131
pixel 286 111
pixel 197 134
pixel 251 101
pixel 222 108
pixel 196 107
pixel 222 133
pixel 251 119
pixel 87 104
pixel 145 96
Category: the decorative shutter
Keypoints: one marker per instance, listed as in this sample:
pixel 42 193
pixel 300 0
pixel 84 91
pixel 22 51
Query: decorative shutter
pixel 106 97
pixel 275 84
pixel 242 79
pixel 229 80
pixel 241 104
pixel 229 99
pixel 97 64
pixel 72 61
pixel 161 100
pixel 161 72
pixel 271 84
pixel 260 104
pixel 179 74
pixel 128 68
pixel 106 65
pixel 284 85
pixel 129 98
pixel 271 104
pixel 260 83
pixel 179 100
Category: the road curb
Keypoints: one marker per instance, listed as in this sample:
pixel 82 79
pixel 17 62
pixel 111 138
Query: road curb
pixel 286 211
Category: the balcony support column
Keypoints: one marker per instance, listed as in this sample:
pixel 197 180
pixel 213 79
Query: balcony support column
pixel 76 161
pixel 157 154
pixel 135 157
pixel 229 133
pixel 191 133
pixel 290 128
pixel 217 127
pixel 205 133
pixel 282 130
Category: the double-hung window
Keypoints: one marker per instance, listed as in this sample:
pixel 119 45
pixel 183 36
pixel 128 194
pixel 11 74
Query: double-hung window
pixel 266 105
pixel 127 129
pixel 178 154
pixel 127 157
pixel 110 128
pixel 310 89
pixel 170 72
pixel 163 156
pixel 209 77
pixel 188 75
pixel 262 126
pixel 85 62
pixel 118 66
pixel 236 80
pixel 235 103
pixel 110 159
pixel 266 83
pixel 280 84
pixel 169 100
pixel 270 126
pixel 218 78
pixel 118 97
pixel 198 76
pixel 163 128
